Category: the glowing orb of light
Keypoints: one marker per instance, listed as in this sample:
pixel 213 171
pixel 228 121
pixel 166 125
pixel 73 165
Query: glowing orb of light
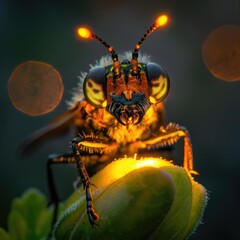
pixel 84 32
pixel 221 53
pixel 161 20
pixel 35 88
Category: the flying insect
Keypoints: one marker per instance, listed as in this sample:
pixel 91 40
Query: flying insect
pixel 118 111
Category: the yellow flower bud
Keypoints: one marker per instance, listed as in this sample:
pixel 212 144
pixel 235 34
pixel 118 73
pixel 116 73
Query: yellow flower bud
pixel 136 199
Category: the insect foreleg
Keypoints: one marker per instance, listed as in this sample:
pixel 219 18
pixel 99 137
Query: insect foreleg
pixel 170 135
pixel 91 145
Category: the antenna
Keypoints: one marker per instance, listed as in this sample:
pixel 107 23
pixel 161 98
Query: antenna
pixel 159 22
pixel 86 33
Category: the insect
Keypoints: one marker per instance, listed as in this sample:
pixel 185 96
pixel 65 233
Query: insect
pixel 121 114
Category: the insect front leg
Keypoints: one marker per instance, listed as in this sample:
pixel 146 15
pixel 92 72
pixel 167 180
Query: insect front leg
pixel 170 135
pixel 91 145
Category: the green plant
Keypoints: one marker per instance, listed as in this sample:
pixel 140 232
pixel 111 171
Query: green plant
pixel 136 199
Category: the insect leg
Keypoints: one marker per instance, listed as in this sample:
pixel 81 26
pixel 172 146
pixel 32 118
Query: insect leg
pixel 170 135
pixel 91 145
pixel 53 159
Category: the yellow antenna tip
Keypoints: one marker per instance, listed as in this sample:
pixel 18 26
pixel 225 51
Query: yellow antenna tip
pixel 161 21
pixel 84 32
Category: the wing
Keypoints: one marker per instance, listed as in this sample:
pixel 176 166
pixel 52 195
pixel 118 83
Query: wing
pixel 59 126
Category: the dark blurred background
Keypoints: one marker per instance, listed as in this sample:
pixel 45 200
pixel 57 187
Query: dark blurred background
pixel 208 107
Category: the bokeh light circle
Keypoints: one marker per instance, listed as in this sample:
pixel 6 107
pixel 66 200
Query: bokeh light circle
pixel 35 88
pixel 221 52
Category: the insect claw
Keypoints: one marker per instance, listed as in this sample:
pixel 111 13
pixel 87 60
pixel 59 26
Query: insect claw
pixel 194 172
pixel 92 215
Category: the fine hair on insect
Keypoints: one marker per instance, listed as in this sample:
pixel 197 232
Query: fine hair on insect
pixel 117 110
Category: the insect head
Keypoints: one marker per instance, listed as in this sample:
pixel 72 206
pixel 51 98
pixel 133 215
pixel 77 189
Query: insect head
pixel 128 88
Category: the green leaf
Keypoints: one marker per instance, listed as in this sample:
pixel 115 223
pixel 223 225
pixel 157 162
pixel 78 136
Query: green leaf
pixel 17 226
pixel 4 235
pixel 29 218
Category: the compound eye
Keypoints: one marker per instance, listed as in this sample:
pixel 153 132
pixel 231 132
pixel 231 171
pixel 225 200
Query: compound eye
pixel 158 83
pixel 94 87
